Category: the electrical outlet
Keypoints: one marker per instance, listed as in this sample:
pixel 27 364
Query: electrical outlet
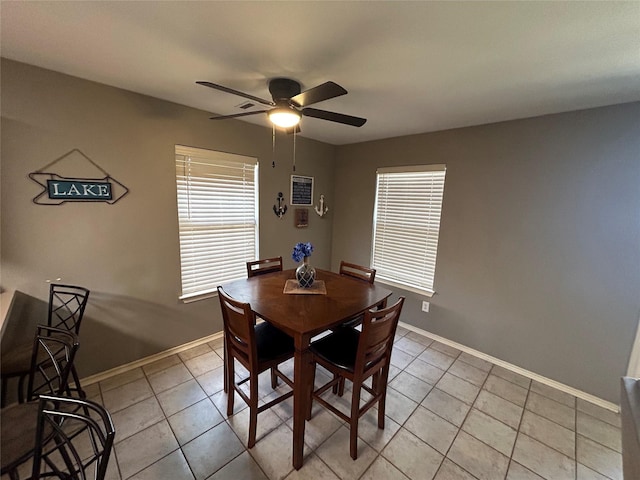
pixel 425 306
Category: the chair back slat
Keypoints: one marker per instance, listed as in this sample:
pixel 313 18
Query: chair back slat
pixel 54 352
pixel 359 272
pixel 264 266
pixel 376 338
pixel 66 306
pixel 239 322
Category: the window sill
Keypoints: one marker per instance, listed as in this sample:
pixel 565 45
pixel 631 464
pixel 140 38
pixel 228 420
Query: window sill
pixel 196 297
pixel 419 291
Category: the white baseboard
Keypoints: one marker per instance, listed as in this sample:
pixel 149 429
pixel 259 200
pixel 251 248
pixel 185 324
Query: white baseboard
pixel 533 376
pixel 98 377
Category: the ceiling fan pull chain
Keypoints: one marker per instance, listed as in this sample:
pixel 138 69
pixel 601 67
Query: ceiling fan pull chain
pixel 273 146
pixel 294 150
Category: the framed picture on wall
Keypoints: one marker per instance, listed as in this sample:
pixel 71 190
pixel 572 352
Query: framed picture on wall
pixel 301 190
pixel 302 217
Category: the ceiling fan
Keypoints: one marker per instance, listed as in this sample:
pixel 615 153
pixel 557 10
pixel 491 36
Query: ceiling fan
pixel 289 103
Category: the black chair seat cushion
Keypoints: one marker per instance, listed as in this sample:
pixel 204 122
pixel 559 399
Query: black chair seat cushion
pixel 339 348
pixel 353 322
pixel 271 342
pixel 18 360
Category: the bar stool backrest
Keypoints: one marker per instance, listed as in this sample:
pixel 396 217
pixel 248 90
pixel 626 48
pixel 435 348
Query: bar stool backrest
pixel 239 322
pixel 376 339
pixel 54 351
pixel 66 306
pixel 74 439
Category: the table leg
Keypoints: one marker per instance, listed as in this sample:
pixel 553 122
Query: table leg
pixel 301 395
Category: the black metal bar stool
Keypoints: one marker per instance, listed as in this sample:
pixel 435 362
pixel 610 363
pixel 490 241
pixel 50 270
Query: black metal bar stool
pixel 67 304
pixel 52 357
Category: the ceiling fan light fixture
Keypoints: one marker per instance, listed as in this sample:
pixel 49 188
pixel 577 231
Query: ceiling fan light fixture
pixel 284 117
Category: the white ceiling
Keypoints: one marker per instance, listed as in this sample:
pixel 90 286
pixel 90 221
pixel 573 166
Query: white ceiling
pixel 409 67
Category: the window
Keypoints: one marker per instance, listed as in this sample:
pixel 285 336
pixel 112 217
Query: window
pixel 217 216
pixel 406 222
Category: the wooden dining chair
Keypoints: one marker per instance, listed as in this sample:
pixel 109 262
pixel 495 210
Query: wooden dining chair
pixel 74 439
pixel 54 351
pixel 66 308
pixel 357 356
pixel 258 347
pixel 255 268
pixel 358 272
pixel 263 266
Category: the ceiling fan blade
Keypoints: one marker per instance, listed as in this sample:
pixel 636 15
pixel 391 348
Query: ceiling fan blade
pixel 236 115
pixel 215 86
pixel 318 94
pixel 334 117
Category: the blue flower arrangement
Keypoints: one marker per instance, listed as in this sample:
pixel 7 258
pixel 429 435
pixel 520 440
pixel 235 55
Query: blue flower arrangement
pixel 301 250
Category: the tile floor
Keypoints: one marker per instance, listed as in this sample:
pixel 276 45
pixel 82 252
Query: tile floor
pixel 450 416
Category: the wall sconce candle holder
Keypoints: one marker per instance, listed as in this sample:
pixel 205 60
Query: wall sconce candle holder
pixel 322 209
pixel 281 209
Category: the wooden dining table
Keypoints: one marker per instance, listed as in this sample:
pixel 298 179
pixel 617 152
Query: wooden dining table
pixel 303 316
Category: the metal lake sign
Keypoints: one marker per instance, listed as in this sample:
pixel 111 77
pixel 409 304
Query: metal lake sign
pixel 79 190
pixel 57 189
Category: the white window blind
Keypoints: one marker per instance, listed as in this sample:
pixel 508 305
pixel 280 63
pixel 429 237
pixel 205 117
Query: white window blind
pixel 406 225
pixel 217 215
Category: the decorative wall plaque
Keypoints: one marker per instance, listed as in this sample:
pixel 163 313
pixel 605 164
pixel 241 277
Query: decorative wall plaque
pixel 58 189
pixel 302 217
pixel 301 190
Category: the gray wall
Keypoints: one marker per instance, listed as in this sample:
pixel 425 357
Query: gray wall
pixel 128 253
pixel 539 253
